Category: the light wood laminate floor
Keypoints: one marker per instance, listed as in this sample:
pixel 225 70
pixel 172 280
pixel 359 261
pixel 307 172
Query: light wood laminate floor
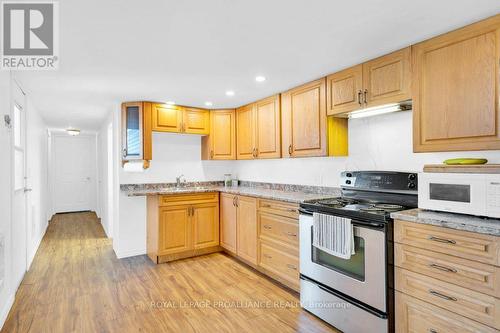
pixel 76 284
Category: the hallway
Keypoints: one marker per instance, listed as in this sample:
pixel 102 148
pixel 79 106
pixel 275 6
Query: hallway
pixel 76 284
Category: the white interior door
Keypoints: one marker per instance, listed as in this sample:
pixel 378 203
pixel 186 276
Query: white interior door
pixel 19 230
pixel 74 163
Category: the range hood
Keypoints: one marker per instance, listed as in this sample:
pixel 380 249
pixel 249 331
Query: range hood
pixel 381 109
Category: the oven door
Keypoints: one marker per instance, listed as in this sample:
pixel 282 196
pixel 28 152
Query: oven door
pixel 362 277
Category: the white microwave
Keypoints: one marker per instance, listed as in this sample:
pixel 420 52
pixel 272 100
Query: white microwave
pixel 474 194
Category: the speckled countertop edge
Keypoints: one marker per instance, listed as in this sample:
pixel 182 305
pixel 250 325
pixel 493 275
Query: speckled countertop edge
pixel 480 225
pixel 288 193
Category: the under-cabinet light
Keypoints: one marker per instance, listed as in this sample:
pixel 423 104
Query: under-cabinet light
pixel 377 110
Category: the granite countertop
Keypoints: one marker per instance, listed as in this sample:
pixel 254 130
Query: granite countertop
pixel 288 193
pixel 480 225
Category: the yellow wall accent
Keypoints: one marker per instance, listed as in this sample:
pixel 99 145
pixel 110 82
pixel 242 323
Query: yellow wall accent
pixel 337 137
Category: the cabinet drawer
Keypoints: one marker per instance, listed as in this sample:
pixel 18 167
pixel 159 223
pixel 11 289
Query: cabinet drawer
pixel 469 245
pixel 279 228
pixel 416 316
pixel 466 273
pixel 188 199
pixel 280 208
pixel 468 303
pixel 283 264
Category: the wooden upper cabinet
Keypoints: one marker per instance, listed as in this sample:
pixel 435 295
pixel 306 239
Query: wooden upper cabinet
pixel 303 119
pixel 221 143
pixel 380 81
pixel 245 132
pixel 174 230
pixel 196 121
pixel 137 132
pixel 179 119
pixel 455 89
pixel 387 79
pixel 247 228
pixel 166 118
pixel 205 219
pixel 228 221
pixel 345 90
pixel 268 128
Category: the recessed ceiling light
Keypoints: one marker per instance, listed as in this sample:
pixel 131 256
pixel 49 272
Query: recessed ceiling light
pixel 260 78
pixel 229 93
pixel 209 103
pixel 171 103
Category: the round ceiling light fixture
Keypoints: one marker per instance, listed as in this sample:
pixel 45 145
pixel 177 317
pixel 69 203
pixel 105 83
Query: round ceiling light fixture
pixel 73 131
pixel 229 93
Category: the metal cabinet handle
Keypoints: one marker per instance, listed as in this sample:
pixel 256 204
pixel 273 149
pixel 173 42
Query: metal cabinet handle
pixel 237 201
pixel 267 226
pixel 441 240
pixel 289 233
pixel 359 97
pixel 293 210
pixel 443 268
pixel 291 266
pixel 290 150
pixel 431 330
pixel 267 256
pixel 266 205
pixel 211 154
pixel 365 96
pixel 234 201
pixel 443 296
pixel 256 152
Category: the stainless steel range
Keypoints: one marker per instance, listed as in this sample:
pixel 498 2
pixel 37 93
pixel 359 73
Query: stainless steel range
pixel 356 294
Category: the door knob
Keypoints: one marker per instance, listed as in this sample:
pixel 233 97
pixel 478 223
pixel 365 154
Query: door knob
pixel 27 189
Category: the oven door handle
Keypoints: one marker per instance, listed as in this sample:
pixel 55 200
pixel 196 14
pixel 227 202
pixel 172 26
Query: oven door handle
pixel 304 211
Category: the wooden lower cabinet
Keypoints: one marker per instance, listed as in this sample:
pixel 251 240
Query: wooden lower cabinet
pixel 446 280
pixel 182 226
pixel 416 316
pixel 228 214
pixel 247 228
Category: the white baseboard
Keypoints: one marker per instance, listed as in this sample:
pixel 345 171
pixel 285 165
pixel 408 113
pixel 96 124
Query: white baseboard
pixel 130 253
pixel 6 309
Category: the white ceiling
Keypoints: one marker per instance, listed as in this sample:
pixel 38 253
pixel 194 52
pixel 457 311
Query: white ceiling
pixel 192 51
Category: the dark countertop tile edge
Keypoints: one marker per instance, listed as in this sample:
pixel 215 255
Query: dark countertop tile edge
pixel 480 225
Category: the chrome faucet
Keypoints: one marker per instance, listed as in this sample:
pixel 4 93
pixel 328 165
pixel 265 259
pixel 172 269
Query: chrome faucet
pixel 178 180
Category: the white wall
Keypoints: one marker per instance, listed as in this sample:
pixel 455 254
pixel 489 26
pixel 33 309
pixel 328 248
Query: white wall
pixel 6 293
pixel 176 154
pixel 102 184
pixel 376 143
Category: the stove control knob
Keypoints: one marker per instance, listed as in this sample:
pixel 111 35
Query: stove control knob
pixel 348 174
pixel 412 176
pixel 348 182
pixel 411 185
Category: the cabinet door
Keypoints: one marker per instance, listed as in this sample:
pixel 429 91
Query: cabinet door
pixel 175 230
pixel 196 121
pixel 166 118
pixel 304 120
pixel 387 79
pixel 205 220
pixel 228 221
pixel 345 90
pixel 245 132
pixel 132 131
pixel 247 229
pixel 268 128
pixel 455 89
pixel 220 144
